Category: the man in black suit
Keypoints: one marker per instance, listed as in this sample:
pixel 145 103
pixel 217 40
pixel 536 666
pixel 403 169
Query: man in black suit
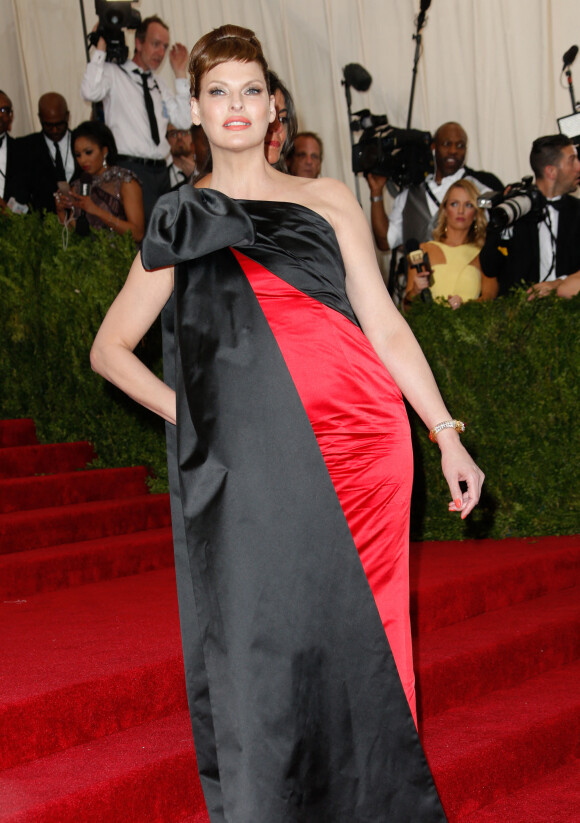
pixel 49 153
pixel 541 250
pixel 11 171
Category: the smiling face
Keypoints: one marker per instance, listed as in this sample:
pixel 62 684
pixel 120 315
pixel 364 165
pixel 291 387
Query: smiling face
pixel 277 130
pixel 459 209
pixel 233 106
pixel 89 155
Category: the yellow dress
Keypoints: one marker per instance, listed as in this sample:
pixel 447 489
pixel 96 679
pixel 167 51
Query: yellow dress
pixel 458 275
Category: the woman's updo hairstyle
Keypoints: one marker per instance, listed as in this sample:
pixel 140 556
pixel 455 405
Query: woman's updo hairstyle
pixel 220 46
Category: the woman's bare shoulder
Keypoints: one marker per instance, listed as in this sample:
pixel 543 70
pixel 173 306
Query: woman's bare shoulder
pixel 332 199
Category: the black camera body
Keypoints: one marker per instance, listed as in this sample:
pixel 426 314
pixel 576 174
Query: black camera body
pixel 403 156
pixel 523 197
pixel 113 18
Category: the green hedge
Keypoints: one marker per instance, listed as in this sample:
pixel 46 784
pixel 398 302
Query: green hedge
pixel 52 304
pixel 509 368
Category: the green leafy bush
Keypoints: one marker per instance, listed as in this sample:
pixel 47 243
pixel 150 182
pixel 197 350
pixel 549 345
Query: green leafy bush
pixel 509 368
pixel 53 303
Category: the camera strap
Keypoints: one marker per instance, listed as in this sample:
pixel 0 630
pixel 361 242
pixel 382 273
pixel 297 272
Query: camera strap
pixel 547 221
pixel 431 195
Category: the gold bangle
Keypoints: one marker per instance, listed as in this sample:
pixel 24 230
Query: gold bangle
pixel 458 425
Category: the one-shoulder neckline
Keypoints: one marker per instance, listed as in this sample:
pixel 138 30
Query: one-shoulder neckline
pixel 274 202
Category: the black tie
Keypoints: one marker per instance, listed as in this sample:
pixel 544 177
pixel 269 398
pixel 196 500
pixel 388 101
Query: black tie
pixel 58 164
pixel 149 107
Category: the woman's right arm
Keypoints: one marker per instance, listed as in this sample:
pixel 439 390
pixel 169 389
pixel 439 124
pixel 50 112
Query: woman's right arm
pixel 131 315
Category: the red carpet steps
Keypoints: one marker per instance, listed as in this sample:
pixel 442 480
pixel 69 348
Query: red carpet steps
pixel 93 720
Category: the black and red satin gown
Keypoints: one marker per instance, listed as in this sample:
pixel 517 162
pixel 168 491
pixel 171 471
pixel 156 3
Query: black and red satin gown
pixel 294 482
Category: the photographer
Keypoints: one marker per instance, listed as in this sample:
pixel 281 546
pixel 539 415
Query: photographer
pixel 415 209
pixel 542 247
pixel 138 105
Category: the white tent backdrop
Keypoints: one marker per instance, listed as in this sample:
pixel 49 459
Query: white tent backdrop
pixel 493 65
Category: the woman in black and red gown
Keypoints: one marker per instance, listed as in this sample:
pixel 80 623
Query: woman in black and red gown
pixel 295 470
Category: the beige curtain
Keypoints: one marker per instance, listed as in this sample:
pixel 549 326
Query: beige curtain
pixel 494 65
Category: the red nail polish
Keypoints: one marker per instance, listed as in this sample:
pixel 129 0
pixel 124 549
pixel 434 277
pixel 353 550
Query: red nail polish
pixel 458 502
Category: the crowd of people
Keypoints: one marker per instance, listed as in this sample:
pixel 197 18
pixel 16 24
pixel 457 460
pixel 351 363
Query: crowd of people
pixel 149 147
pixel 442 213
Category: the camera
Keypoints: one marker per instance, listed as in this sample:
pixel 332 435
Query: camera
pixel 113 18
pixel 523 197
pixel 404 156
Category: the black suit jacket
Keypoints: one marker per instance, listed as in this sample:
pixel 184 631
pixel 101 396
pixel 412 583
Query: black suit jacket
pixel 15 184
pixel 518 258
pixel 41 182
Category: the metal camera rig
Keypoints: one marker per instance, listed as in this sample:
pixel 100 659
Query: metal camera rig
pixel 113 18
pixel 403 156
pixel 522 198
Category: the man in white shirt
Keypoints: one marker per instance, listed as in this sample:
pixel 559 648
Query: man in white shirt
pixel 414 210
pixel 542 249
pixel 182 164
pixel 48 154
pixel 6 143
pixel 138 105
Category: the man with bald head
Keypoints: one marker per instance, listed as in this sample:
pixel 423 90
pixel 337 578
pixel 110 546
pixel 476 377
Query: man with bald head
pixel 414 210
pixel 49 153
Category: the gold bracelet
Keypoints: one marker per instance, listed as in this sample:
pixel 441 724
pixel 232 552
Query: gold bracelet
pixel 458 425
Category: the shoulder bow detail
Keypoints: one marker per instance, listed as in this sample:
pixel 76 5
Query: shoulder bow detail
pixel 190 223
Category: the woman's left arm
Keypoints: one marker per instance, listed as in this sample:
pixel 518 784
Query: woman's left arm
pixel 395 343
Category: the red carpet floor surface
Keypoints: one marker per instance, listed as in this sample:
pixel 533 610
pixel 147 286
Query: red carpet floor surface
pixel 93 720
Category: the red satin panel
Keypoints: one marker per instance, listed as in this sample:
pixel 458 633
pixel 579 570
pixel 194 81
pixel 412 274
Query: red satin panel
pixel 360 422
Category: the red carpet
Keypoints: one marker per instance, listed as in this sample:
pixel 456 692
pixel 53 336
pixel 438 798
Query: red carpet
pixel 93 720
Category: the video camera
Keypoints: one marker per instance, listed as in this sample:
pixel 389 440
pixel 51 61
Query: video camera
pixel 523 197
pixel 113 18
pixel 403 156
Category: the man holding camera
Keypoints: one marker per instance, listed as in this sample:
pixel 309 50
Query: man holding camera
pixel 415 209
pixel 138 105
pixel 541 248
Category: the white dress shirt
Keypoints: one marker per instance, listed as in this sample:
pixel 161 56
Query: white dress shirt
pixel 3 163
pixel 439 190
pixel 547 234
pixel 176 175
pixel 121 91
pixel 66 152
